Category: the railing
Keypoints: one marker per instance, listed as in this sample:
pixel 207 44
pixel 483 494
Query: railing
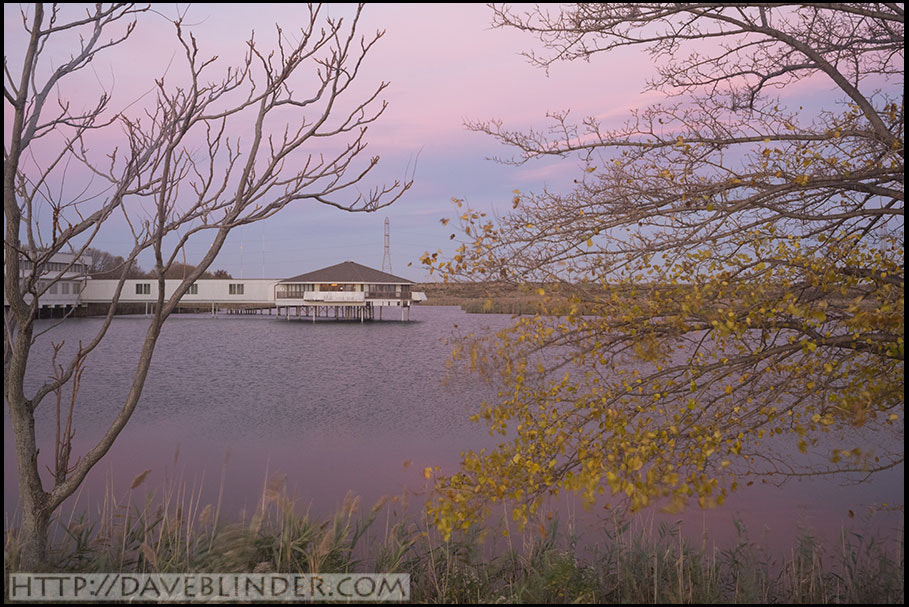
pixel 319 295
pixel 285 295
pixel 335 296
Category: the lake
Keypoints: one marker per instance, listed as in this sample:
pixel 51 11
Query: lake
pixel 345 406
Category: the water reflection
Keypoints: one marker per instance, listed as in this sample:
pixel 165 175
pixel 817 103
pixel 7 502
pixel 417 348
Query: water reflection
pixel 343 406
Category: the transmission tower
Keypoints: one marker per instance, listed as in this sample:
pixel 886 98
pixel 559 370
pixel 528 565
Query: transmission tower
pixel 386 259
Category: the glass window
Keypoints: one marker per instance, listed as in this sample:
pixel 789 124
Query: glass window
pixel 143 288
pixel 193 289
pixel 235 288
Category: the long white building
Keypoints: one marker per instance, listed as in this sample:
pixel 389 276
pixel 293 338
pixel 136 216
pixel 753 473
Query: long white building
pixel 59 281
pixel 346 290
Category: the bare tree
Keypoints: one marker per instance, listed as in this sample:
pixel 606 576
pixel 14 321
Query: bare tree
pixel 730 265
pixel 103 264
pixel 178 172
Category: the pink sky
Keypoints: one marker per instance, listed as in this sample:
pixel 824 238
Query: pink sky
pixel 445 65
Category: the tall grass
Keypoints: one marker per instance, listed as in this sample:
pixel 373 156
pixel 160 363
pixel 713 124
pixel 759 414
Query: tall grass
pixel 175 533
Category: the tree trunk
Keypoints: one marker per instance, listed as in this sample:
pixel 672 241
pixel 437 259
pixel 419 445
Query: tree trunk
pixel 32 497
pixel 33 533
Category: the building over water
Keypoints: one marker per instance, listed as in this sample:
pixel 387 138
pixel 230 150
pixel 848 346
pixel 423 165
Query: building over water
pixel 346 290
pixel 351 289
pixel 57 279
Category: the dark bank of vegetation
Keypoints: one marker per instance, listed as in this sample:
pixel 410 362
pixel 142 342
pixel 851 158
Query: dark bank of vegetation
pixel 506 298
pixel 490 298
pixel 554 299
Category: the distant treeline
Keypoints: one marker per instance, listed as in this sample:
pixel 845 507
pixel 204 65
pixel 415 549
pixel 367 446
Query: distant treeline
pixel 107 265
pixel 539 298
pixel 505 298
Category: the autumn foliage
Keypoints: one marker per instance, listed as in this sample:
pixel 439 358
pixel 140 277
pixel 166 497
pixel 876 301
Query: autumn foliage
pixel 735 263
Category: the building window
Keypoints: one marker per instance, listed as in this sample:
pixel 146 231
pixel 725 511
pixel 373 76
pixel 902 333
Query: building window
pixel 294 290
pixel 143 288
pixel 64 288
pixel 236 288
pixel 193 289
pixel 53 289
pixel 388 291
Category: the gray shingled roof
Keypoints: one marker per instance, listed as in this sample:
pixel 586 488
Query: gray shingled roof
pixel 348 271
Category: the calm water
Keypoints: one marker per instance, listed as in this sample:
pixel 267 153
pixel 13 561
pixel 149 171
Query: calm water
pixel 341 407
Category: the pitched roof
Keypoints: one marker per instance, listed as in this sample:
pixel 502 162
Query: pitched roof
pixel 348 271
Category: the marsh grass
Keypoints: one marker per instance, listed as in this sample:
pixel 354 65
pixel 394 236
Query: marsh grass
pixel 175 532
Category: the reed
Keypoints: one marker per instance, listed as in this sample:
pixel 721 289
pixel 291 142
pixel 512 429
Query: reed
pixel 171 531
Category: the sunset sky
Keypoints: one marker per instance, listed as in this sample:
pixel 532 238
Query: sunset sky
pixel 446 65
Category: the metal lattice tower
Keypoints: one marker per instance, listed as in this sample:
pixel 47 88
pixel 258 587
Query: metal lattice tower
pixel 386 258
